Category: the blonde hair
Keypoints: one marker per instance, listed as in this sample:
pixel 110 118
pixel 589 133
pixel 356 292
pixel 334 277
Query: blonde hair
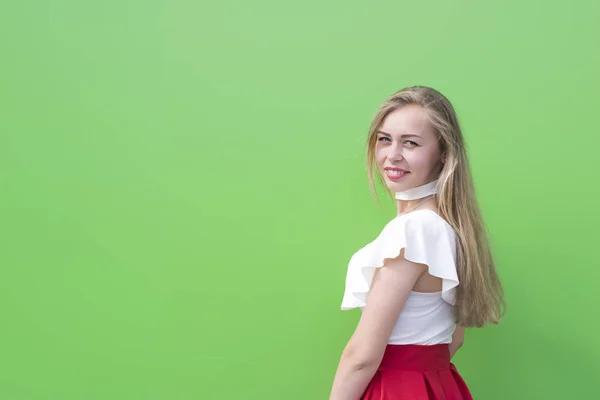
pixel 480 298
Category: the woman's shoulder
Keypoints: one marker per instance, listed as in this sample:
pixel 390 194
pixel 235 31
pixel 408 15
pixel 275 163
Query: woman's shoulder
pixel 423 218
pixel 426 239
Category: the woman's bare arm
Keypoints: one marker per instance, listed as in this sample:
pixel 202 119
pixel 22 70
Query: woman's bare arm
pixel 458 338
pixel 362 356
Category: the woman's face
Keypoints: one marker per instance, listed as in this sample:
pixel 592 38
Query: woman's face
pixel 407 149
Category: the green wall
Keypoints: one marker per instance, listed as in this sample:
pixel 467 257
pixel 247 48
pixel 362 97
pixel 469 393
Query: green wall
pixel 183 184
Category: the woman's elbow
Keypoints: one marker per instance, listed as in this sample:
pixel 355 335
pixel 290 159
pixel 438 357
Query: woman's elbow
pixel 360 360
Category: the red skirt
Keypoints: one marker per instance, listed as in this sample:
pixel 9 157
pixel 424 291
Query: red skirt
pixel 416 372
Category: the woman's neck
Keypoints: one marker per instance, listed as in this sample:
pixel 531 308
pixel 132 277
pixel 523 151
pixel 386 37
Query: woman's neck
pixel 417 197
pixel 404 206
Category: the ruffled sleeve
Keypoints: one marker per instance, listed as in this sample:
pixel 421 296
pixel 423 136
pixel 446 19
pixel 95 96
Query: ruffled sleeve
pixel 427 239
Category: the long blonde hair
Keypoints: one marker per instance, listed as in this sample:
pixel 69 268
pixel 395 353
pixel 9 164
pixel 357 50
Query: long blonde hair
pixel 480 297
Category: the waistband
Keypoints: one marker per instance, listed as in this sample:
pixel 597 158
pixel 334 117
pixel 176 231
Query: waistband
pixel 415 357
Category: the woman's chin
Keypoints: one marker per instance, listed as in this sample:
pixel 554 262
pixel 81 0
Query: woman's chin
pixel 397 186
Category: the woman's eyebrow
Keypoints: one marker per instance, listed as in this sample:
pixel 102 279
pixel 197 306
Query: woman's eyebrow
pixel 403 136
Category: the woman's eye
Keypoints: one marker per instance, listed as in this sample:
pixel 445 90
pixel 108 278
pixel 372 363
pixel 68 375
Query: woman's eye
pixel 410 142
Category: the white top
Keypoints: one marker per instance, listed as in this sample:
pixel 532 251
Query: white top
pixel 427 318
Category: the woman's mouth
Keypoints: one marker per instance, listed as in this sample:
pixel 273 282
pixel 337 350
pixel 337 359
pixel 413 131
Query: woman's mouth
pixel 395 175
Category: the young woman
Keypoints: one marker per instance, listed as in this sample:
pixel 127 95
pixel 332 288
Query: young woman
pixel 430 273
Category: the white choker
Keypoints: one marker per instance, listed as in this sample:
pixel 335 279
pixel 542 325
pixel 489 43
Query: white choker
pixel 418 192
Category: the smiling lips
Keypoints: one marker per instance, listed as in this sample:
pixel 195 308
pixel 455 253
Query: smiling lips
pixel 395 173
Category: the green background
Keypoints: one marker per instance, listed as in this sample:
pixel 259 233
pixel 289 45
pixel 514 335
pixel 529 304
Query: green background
pixel 183 184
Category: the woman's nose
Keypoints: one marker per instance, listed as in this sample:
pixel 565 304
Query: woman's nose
pixel 395 152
